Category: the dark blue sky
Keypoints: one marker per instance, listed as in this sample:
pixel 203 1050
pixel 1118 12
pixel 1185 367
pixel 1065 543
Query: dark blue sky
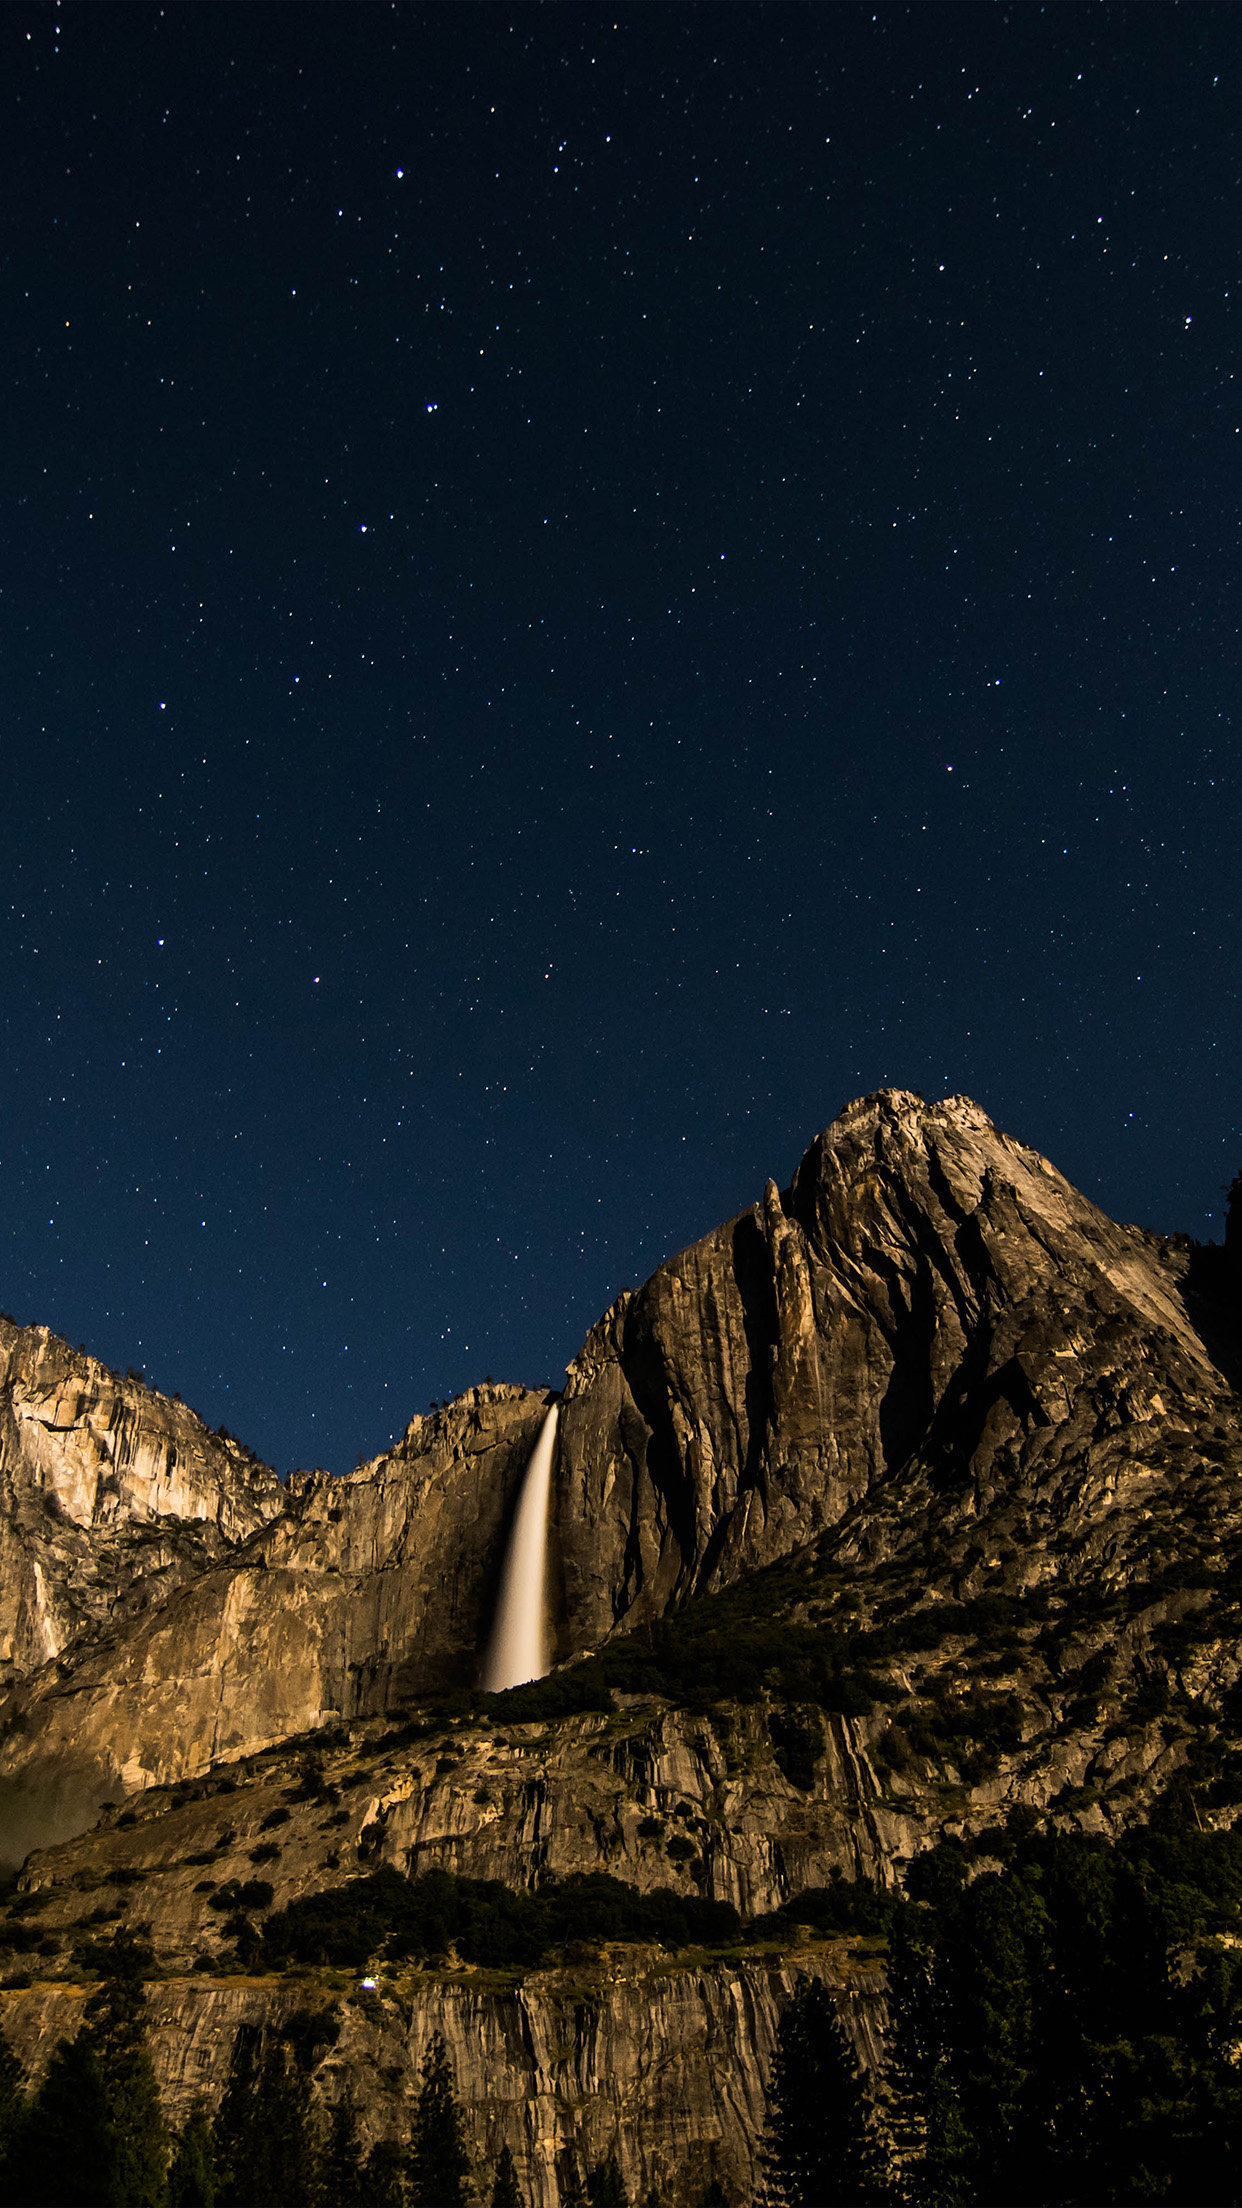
pixel 579 587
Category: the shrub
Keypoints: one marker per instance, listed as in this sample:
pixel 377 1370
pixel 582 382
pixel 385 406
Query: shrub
pixel 483 1921
pixel 251 1893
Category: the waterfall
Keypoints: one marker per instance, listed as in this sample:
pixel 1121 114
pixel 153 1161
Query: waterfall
pixel 518 1648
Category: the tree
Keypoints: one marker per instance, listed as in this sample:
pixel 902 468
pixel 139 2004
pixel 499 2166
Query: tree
pixel 506 2192
pixel 820 2148
pixel 572 2189
pixel 115 2029
pixel 13 2109
pixel 604 2186
pixel 264 2134
pixel 922 2116
pixel 385 2182
pixel 1233 1224
pixel 439 2162
pixel 65 2156
pixel 344 2181
pixel 95 2135
pixel 192 2173
pixel 999 1969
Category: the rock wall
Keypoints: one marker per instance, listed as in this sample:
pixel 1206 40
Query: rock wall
pixel 663 2066
pixel 111 1497
pixel 357 1591
pixel 928 1328
pixel 927 1291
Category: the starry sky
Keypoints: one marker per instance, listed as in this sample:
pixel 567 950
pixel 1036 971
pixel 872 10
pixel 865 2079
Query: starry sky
pixel 581 585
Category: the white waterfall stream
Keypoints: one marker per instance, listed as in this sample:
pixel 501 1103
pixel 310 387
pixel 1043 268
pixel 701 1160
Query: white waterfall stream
pixel 518 1648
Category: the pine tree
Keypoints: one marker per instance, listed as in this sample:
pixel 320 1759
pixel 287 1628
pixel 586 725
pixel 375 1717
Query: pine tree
pixel 13 2110
pixel 344 2181
pixel 233 2132
pixel 505 2191
pixel 439 2162
pixel 192 2172
pixel 115 2028
pixel 1000 1968
pixel 922 2113
pixel 820 2147
pixel 384 2175
pixel 572 2189
pixel 1233 1224
pixel 94 2135
pixel 604 2186
pixel 65 2156
pixel 264 2133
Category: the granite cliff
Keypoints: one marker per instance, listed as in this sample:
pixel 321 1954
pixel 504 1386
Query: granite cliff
pixel 907 1501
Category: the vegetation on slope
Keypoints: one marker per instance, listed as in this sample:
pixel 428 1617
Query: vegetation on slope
pixel 1064 2030
pixel 1065 2017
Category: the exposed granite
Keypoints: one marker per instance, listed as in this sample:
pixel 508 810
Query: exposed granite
pixel 927 1375
pixel 664 2065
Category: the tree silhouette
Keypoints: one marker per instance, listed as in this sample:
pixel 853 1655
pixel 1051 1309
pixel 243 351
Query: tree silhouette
pixel 66 2156
pixel 94 2135
pixel 192 2174
pixel 820 2149
pixel 344 2183
pixel 604 2186
pixel 385 2180
pixel 506 2192
pixel 13 2110
pixel 1233 1225
pixel 439 2162
pixel 115 2027
pixel 264 2133
pixel 922 2113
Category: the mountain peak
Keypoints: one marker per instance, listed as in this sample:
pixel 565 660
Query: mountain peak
pixel 930 1346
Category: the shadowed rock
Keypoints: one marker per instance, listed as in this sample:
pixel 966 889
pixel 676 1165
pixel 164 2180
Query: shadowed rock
pixel 928 1326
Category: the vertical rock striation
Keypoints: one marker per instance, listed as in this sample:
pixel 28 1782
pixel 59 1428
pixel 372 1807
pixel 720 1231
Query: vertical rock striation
pixel 928 1326
pixel 927 1293
pixel 111 1496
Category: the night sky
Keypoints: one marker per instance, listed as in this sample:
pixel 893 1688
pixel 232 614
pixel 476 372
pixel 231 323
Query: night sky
pixel 579 587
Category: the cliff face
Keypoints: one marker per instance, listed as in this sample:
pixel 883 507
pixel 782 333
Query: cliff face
pixel 111 1497
pixel 928 1294
pixel 354 1592
pixel 929 1326
pixel 660 2058
pixel 663 2066
pixel 949 1462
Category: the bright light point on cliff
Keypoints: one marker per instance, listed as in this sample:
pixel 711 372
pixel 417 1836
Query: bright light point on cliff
pixel 363 527
pixel 369 1984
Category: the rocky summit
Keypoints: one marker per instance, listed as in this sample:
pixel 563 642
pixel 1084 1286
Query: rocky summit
pixel 907 1505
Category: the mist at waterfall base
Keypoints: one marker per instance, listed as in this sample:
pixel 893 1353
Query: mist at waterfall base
pixel 518 1649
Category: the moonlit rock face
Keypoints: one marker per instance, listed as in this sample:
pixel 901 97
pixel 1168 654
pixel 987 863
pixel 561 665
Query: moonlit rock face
pixel 518 1648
